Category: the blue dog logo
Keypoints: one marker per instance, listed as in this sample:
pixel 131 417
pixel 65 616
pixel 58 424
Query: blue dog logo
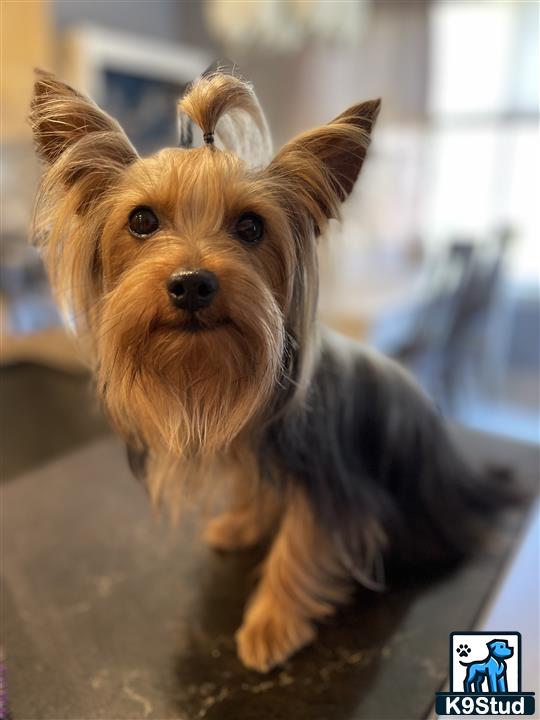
pixel 491 686
pixel 492 669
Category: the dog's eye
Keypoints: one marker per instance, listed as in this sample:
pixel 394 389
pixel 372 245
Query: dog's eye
pixel 249 228
pixel 143 222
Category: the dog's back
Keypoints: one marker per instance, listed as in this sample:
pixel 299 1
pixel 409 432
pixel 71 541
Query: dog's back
pixel 379 465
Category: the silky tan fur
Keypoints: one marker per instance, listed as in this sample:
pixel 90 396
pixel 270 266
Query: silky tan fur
pixel 329 449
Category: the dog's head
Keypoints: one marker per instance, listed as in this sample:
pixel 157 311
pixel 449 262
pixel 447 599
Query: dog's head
pixel 193 276
pixel 499 649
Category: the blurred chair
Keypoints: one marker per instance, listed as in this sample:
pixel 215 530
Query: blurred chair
pixel 446 344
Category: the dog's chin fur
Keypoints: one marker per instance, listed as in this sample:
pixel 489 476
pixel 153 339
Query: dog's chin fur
pixel 187 385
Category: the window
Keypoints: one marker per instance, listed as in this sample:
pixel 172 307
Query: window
pixel 484 153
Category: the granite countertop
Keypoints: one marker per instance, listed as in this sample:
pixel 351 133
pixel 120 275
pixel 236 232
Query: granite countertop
pixel 110 613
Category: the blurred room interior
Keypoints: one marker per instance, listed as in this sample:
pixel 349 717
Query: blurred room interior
pixel 436 262
pixel 437 259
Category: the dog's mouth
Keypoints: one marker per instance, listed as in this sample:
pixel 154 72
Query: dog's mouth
pixel 194 324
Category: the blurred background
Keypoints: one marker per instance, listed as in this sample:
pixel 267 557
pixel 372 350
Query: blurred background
pixel 437 261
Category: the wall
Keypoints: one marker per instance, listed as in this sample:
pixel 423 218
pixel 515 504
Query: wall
pixel 151 18
pixel 26 43
pixel 302 87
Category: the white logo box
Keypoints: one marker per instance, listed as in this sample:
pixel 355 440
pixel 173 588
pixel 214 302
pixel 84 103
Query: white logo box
pixel 477 643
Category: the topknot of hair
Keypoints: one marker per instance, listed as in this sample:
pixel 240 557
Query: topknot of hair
pixel 226 109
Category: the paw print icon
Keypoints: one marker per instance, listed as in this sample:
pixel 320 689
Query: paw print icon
pixel 463 650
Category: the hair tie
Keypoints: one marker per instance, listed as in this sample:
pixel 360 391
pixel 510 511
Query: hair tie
pixel 208 138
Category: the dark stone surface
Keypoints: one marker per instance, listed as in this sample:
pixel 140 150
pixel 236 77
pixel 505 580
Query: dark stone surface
pixel 44 412
pixel 110 613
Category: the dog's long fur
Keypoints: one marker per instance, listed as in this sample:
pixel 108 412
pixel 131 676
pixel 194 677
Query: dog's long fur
pixel 330 447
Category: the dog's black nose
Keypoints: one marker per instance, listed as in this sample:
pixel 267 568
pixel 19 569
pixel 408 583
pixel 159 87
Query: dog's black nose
pixel 192 289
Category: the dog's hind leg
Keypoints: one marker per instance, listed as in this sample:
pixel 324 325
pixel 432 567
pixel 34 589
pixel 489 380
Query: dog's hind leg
pixel 478 684
pixel 468 682
pixel 302 582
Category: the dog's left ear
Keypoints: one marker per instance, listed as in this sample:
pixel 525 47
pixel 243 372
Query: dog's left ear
pixel 318 169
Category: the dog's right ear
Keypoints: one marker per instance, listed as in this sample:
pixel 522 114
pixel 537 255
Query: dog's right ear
pixel 86 152
pixel 60 117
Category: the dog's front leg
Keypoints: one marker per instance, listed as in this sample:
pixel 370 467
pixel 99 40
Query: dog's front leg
pixel 302 582
pixel 253 515
pixel 492 676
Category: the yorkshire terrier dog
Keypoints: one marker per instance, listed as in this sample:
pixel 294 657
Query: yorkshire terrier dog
pixel 191 278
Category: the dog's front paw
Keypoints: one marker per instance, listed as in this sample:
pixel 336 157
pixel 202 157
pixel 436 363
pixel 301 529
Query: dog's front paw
pixel 269 636
pixel 231 531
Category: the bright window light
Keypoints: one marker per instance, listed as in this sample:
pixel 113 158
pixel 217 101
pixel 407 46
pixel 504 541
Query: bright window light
pixel 484 151
pixel 471 45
